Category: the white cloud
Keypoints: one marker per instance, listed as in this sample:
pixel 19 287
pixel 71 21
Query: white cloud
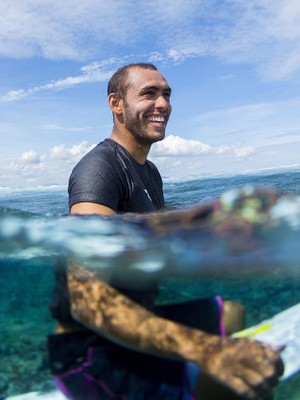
pixel 262 32
pixel 178 158
pixel 174 156
pixel 27 167
pixel 30 157
pixel 55 29
pixel 13 95
pixel 175 146
pixel 241 153
pixel 244 152
pixel 70 154
pixel 56 127
pixel 49 168
pixel 94 72
pixel 76 29
pixel 58 152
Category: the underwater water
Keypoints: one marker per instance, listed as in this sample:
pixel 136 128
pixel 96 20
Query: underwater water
pixel 35 229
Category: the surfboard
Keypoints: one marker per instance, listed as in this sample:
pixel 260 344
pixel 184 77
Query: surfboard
pixel 282 329
pixel 55 395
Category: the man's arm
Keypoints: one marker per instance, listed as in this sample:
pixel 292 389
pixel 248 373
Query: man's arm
pixel 87 208
pixel 249 369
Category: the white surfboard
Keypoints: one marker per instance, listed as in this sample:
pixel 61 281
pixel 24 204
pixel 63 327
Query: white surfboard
pixel 56 395
pixel 282 329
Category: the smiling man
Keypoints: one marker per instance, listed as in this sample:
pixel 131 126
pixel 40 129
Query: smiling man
pixel 116 175
pixel 113 343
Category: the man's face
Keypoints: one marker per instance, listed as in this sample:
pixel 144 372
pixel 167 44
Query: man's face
pixel 147 105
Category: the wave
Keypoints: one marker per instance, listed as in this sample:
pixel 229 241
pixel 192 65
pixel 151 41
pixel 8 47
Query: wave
pixel 221 175
pixel 279 169
pixel 168 179
pixel 129 251
pixel 32 188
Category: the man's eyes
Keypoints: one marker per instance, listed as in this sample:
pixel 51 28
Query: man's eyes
pixel 150 93
pixel 153 93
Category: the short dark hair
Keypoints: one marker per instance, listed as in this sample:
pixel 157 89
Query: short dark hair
pixel 119 84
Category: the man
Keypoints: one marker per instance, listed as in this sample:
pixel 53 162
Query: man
pixel 116 344
pixel 117 175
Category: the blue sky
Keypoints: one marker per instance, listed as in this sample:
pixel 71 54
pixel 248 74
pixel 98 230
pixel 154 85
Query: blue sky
pixel 234 67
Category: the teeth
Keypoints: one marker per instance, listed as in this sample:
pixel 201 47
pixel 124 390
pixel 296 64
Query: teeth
pixel 156 119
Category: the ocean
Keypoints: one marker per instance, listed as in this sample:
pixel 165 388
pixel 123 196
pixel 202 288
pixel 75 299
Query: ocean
pixel 35 229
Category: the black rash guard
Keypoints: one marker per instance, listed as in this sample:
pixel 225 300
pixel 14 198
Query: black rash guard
pixel 110 176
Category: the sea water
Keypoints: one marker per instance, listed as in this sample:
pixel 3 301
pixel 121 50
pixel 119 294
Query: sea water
pixel 35 229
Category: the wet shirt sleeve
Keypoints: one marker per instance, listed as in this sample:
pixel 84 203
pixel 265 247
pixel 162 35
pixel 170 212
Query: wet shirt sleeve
pixel 95 180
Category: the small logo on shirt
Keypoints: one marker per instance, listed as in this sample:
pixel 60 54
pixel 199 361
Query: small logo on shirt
pixel 148 195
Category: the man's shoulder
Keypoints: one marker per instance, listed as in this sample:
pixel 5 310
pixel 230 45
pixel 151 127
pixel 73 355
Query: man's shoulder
pixel 153 168
pixel 151 164
pixel 106 147
pixel 104 151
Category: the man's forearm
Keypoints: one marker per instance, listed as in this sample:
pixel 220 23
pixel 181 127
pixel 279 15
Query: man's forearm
pixel 103 309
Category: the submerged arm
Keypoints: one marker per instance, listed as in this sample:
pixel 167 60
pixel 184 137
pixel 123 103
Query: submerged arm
pixel 236 363
pixel 105 310
pixel 87 208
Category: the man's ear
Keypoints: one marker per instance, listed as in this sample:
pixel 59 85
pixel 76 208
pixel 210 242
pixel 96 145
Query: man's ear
pixel 115 104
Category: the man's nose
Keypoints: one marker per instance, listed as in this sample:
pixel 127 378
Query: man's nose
pixel 162 103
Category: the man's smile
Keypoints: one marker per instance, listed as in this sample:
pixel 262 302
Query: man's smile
pixel 158 119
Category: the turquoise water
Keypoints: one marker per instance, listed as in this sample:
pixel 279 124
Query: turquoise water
pixel 35 230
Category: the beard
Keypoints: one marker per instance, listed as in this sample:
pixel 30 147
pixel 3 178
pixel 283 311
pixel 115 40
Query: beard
pixel 138 131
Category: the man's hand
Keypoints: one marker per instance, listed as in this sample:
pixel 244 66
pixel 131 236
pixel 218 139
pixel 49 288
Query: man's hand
pixel 239 369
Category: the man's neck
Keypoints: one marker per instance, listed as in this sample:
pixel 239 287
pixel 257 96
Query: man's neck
pixel 138 151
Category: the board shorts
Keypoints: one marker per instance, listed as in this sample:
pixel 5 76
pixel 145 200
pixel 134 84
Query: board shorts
pixel 86 366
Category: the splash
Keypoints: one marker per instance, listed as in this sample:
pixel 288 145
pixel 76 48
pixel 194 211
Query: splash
pixel 245 233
